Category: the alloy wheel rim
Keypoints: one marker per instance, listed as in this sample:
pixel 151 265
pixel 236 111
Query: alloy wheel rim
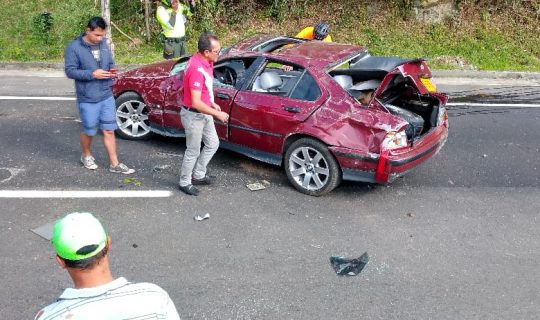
pixel 308 168
pixel 132 118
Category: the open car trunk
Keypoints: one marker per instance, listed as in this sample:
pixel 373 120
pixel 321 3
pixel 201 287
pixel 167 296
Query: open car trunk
pixel 403 88
pixel 402 98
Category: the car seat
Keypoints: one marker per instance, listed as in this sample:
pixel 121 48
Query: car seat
pixel 344 81
pixel 267 81
pixel 257 85
pixel 270 81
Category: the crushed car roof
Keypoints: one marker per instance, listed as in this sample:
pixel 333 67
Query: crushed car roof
pixel 296 50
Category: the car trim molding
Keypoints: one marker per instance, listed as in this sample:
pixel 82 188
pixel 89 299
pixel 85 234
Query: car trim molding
pixel 397 163
pixel 374 159
pixel 277 135
pixel 358 175
pixel 167 131
pixel 394 163
pixel 267 157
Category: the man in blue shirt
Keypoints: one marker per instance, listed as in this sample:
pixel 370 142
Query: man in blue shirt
pixel 89 62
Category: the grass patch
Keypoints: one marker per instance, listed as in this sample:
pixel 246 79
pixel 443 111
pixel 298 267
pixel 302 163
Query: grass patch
pixel 472 38
pixel 484 49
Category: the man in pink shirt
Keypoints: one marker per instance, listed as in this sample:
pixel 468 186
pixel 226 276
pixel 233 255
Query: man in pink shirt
pixel 197 115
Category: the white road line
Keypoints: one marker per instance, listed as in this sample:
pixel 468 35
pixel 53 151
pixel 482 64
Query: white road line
pixel 43 194
pixel 37 98
pixel 510 105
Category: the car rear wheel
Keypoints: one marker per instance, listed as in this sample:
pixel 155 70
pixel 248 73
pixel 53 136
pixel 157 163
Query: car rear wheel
pixel 132 117
pixel 311 168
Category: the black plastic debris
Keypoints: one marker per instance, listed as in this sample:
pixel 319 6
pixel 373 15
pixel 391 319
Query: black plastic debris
pixel 349 267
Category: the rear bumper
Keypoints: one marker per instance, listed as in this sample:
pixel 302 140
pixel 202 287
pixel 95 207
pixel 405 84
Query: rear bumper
pixel 390 164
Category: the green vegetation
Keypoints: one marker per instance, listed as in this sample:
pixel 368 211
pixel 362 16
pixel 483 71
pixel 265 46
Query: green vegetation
pixel 479 34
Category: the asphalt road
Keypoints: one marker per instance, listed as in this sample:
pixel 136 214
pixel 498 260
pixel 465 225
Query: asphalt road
pixel 457 238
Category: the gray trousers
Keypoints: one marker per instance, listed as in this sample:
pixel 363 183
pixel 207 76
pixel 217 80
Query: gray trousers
pixel 199 128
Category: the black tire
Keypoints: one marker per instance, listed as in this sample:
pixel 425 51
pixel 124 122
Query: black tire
pixel 132 117
pixel 311 168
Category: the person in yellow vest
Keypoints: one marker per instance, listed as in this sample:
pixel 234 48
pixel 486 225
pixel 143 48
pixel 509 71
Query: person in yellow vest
pixel 172 16
pixel 318 32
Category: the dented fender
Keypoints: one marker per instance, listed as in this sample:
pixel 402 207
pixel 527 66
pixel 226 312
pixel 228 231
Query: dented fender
pixel 353 126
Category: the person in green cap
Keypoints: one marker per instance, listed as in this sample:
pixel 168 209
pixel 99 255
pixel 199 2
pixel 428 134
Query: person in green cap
pixel 82 247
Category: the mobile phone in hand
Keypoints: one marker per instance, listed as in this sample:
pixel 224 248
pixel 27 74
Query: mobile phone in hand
pixel 113 70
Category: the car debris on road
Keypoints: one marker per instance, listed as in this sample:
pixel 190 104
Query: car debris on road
pixel 199 218
pixel 349 267
pixel 259 185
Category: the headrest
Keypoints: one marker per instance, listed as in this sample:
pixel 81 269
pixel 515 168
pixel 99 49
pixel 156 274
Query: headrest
pixel 344 81
pixel 270 80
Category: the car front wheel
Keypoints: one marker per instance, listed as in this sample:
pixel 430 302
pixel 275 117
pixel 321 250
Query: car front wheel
pixel 311 168
pixel 132 117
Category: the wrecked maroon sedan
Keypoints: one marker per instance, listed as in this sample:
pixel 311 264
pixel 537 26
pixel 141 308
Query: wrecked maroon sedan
pixel 302 104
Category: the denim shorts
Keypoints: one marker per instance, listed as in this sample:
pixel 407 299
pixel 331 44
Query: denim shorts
pixel 100 115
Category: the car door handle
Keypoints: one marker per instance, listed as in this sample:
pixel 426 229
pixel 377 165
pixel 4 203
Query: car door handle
pixel 223 96
pixel 292 109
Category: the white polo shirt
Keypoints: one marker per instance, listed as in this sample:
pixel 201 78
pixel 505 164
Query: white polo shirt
pixel 116 300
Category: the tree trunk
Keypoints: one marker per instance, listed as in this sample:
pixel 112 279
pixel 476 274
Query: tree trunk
pixel 106 14
pixel 147 19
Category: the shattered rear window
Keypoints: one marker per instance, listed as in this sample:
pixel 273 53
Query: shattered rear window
pixel 275 45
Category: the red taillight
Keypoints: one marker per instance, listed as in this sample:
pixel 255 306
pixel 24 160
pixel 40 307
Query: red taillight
pixel 442 119
pixel 383 168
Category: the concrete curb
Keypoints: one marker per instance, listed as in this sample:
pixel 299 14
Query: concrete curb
pixel 51 66
pixel 15 65
pixel 485 74
pixel 59 66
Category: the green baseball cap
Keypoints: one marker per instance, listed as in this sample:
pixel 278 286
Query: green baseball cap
pixel 78 236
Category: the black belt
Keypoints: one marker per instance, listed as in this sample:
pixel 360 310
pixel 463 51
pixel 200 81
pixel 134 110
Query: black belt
pixel 177 40
pixel 191 109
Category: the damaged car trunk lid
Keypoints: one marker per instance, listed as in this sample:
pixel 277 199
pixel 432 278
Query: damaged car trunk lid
pixel 405 91
pixel 398 86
